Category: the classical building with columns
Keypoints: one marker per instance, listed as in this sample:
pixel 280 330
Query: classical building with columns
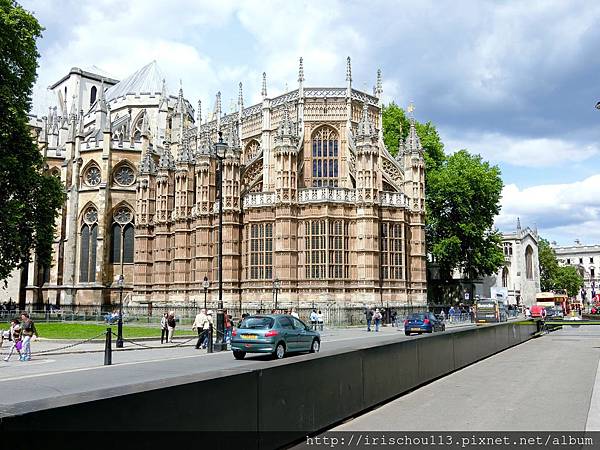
pixel 311 196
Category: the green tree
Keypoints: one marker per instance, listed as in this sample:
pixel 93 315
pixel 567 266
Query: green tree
pixel 463 198
pixel 568 278
pixel 29 199
pixel 548 265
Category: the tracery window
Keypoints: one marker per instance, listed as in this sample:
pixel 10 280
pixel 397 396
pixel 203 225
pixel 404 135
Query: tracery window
pixel 122 236
pixel 391 251
pixel 252 149
pixel 87 254
pixel 92 176
pixel 124 175
pixel 529 262
pixel 508 249
pixel 261 251
pixel 93 93
pixel 325 151
pixel 339 254
pixel 137 128
pixel 316 250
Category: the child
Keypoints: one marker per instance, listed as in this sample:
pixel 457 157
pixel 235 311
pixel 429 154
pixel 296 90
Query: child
pixel 15 331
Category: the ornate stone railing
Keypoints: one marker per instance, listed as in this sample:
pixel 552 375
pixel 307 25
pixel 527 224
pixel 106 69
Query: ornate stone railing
pixel 395 199
pixel 258 199
pixel 326 194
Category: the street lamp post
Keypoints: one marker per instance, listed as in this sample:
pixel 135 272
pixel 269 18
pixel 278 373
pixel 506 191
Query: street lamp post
pixel 119 342
pixel 205 285
pixel 276 286
pixel 219 153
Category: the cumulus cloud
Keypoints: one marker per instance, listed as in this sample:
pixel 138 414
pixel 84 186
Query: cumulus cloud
pixel 560 211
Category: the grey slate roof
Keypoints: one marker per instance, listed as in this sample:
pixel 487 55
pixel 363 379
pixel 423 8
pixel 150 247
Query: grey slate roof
pixel 147 80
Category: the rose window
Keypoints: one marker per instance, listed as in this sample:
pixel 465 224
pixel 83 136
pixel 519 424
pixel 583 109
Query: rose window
pixel 92 176
pixel 91 215
pixel 122 215
pixel 124 176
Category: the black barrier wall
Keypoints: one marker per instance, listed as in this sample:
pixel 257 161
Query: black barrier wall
pixel 275 405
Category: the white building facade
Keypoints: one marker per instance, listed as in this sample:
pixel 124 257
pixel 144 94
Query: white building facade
pixel 586 258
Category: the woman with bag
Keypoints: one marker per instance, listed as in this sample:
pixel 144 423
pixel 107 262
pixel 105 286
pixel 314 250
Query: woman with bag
pixel 171 325
pixel 377 317
pixel 15 332
pixel 164 332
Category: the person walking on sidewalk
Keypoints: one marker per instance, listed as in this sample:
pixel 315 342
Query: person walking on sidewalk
pixel 377 317
pixel 28 332
pixel 15 333
pixel 198 326
pixel 369 317
pixel 164 331
pixel 320 320
pixel 313 319
pixel 171 323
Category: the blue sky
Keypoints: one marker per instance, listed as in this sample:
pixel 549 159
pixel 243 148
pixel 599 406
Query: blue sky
pixel 514 81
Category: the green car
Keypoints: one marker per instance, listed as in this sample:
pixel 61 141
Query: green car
pixel 276 334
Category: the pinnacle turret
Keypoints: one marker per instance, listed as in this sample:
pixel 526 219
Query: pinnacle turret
pixel 365 126
pixel 166 161
pixel 264 86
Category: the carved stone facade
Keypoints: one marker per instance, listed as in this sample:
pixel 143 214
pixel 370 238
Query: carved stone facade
pixel 311 196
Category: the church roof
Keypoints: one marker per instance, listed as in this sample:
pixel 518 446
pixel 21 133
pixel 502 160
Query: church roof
pixel 147 80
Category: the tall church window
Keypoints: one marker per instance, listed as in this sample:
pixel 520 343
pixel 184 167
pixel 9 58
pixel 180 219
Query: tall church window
pixel 505 277
pixel 122 236
pixel 339 254
pixel 325 152
pixel 261 251
pixel 391 251
pixel 529 262
pixel 93 93
pixel 87 253
pixel 326 249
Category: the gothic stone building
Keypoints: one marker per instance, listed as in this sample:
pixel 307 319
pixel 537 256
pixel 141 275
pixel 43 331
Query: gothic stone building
pixel 311 196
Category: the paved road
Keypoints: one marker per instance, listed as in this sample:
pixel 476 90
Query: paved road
pixel 547 384
pixel 62 375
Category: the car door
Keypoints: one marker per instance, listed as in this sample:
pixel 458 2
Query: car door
pixel 289 332
pixel 304 337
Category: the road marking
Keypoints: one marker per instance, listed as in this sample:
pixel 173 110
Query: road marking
pixel 130 363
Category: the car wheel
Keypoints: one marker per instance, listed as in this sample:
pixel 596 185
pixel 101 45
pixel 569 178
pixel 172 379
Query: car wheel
pixel 239 355
pixel 316 346
pixel 280 351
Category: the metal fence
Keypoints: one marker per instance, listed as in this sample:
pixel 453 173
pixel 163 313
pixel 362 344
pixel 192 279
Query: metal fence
pixel 333 316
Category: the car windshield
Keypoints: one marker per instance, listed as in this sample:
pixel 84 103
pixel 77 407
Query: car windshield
pixel 417 317
pixel 257 323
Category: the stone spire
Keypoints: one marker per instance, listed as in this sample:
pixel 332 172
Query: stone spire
pixel 183 154
pixel 166 161
pixel 401 145
pixel 147 165
pixel 301 71
pixel 348 70
pixel 73 120
pixel 518 224
pixel 198 119
pixel 107 124
pixel 413 143
pixel 180 108
pixel 162 106
pixel 101 105
pixel 218 110
pixel 378 85
pixel 80 126
pixel 264 86
pixel 145 125
pixel 43 138
pixel 286 127
pixel 240 98
pixel 365 126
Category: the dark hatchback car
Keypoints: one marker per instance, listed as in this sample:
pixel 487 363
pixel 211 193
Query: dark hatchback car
pixel 277 334
pixel 423 323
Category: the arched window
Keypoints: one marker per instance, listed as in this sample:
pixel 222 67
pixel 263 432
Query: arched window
pixel 505 277
pixel 252 149
pixel 529 262
pixel 93 93
pixel 325 152
pixel 87 254
pixel 122 236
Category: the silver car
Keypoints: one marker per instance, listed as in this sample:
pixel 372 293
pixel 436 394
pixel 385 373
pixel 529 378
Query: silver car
pixel 276 334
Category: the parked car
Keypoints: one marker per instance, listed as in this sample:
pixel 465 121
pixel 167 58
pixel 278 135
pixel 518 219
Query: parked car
pixel 423 323
pixel 554 313
pixel 276 334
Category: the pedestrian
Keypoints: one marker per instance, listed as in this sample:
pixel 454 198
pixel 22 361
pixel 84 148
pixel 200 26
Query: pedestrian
pixel 313 319
pixel 198 326
pixel 377 317
pixel 208 324
pixel 451 314
pixel 28 332
pixel 369 317
pixel 527 313
pixel 164 332
pixel 171 323
pixel 15 335
pixel 443 315
pixel 294 313
pixel 320 320
pixel 227 327
pixel 394 318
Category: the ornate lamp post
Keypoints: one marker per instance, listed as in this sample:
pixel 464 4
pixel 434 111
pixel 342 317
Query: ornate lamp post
pixel 276 287
pixel 219 153
pixel 119 342
pixel 205 285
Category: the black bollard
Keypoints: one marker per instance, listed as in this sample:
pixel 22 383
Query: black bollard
pixel 210 338
pixel 108 348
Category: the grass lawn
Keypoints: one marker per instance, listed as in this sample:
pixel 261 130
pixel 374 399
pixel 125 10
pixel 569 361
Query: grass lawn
pixel 64 330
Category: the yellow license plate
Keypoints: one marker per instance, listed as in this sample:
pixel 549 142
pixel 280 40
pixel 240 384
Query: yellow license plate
pixel 249 336
pixel 415 329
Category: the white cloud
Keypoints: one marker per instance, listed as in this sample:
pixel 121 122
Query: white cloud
pixel 560 211
pixel 525 152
